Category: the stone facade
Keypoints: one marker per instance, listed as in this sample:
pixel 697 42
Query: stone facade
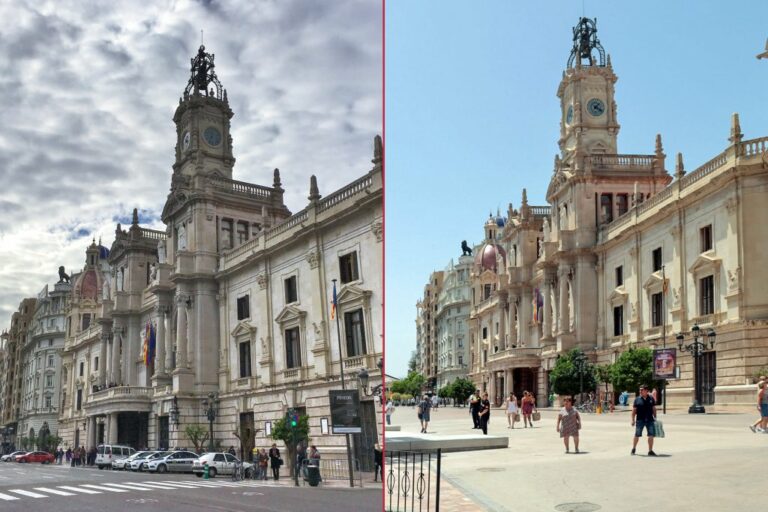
pixel 452 318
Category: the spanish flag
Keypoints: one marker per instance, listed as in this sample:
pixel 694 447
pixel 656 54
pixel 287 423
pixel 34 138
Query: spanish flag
pixel 333 303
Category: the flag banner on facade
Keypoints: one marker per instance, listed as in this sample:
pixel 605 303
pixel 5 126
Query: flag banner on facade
pixel 148 349
pixel 152 343
pixel 333 303
pixel 538 305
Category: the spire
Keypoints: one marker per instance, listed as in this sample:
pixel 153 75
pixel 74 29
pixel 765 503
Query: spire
pixel 314 192
pixel 679 167
pixel 135 220
pixel 378 150
pixel 265 217
pixel 203 80
pixel 276 181
pixel 525 197
pixel 524 206
pixel 659 147
pixel 736 134
pixel 584 42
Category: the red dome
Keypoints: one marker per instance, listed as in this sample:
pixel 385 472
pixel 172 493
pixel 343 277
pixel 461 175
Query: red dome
pixel 486 256
pixel 88 285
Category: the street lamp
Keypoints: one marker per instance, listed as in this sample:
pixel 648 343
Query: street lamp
pixel 697 348
pixel 174 412
pixel 211 405
pixel 580 361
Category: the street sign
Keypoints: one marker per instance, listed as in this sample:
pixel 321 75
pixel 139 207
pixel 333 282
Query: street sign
pixel 664 361
pixel 345 411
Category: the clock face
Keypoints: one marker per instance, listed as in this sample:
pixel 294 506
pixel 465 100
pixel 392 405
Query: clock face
pixel 595 107
pixel 212 136
pixel 569 115
pixel 186 140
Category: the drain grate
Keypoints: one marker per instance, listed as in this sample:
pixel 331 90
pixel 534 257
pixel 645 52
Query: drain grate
pixel 578 507
pixel 491 470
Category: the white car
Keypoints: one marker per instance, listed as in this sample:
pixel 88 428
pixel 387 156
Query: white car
pixel 220 463
pixel 177 462
pixel 141 464
pixel 107 453
pixel 11 457
pixel 125 462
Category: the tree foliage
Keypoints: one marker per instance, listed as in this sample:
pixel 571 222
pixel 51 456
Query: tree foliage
pixel 281 431
pixel 461 388
pixel 632 369
pixel 411 385
pixel 197 435
pixel 413 362
pixel 565 378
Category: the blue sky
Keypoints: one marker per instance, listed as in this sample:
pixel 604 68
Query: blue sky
pixel 472 114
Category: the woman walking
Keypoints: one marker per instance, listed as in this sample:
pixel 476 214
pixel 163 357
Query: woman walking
pixel 511 410
pixel 529 406
pixel 569 424
pixel 485 413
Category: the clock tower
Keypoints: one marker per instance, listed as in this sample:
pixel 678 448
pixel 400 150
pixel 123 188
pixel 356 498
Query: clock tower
pixel 588 124
pixel 204 144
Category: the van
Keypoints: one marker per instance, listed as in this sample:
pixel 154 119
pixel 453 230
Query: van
pixel 106 453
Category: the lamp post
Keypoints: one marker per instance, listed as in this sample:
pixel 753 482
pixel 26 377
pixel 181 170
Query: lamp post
pixel 211 405
pixel 173 413
pixel 580 361
pixel 697 348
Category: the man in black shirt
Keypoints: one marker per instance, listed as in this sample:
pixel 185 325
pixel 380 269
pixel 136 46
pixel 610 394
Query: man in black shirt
pixel 474 408
pixel 644 416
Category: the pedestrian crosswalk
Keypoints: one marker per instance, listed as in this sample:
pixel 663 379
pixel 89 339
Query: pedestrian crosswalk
pixel 114 487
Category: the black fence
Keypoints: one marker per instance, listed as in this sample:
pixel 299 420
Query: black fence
pixel 336 469
pixel 412 481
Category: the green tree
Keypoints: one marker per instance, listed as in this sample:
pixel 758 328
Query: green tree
pixel 446 391
pixel 197 434
pixel 411 385
pixel 282 431
pixel 603 375
pixel 565 378
pixel 413 362
pixel 632 369
pixel 461 389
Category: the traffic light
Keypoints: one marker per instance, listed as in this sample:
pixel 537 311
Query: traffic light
pixel 294 419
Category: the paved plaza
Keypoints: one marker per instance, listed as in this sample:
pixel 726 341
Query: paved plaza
pixel 706 462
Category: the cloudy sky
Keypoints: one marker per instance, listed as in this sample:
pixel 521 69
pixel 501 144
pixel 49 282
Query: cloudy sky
pixel 89 90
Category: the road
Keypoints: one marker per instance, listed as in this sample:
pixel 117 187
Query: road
pixel 34 487
pixel 706 462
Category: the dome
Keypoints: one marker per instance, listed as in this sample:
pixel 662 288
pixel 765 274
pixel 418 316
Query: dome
pixel 87 285
pixel 500 221
pixel 486 257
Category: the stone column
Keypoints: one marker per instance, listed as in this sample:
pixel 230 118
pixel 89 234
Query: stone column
pixel 112 424
pixel 103 358
pixel 503 322
pixel 181 331
pixel 513 331
pixel 526 314
pixel 160 340
pixel 565 322
pixel 547 328
pixel 168 341
pixel 91 432
pixel 117 338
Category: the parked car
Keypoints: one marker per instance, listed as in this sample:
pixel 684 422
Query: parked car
pixel 140 464
pixel 41 457
pixel 220 463
pixel 106 453
pixel 177 462
pixel 125 462
pixel 11 457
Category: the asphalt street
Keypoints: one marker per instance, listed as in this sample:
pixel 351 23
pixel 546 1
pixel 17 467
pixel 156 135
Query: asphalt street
pixel 706 462
pixel 34 487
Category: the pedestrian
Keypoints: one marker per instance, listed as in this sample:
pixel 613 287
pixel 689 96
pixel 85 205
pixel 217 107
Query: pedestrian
pixel 754 427
pixel 569 424
pixel 275 461
pixel 263 463
pixel 485 413
pixel 474 402
pixel 378 465
pixel 511 410
pixel 529 406
pixel 231 451
pixel 423 413
pixel 69 455
pixel 389 410
pixel 644 417
pixel 762 405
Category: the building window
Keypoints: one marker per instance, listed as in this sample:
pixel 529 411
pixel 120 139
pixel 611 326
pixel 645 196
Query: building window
pixel 49 381
pixel 618 320
pixel 245 359
pixel 606 207
pixel 705 234
pixel 292 348
pixel 622 204
pixel 242 232
pixel 348 267
pixel 226 234
pixel 461 360
pixel 656 310
pixel 96 363
pixel 79 399
pixel 47 402
pixel 243 307
pixel 461 343
pixel 50 342
pixel 86 321
pixel 485 332
pixel 291 290
pixel 50 361
pixel 82 368
pixel 355 332
pixel 486 292
pixel 707 295
pixel 656 259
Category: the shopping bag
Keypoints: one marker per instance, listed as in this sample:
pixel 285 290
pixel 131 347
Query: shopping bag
pixel 659 428
pixel 536 416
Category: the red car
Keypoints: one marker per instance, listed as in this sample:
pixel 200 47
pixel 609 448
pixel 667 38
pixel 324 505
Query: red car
pixel 41 457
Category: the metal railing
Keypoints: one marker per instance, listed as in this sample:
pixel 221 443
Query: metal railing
pixel 333 469
pixel 411 482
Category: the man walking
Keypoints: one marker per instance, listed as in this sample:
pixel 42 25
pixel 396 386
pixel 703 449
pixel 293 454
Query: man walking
pixel 644 416
pixel 389 410
pixel 424 406
pixel 474 408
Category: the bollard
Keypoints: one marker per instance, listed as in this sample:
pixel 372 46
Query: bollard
pixel 206 471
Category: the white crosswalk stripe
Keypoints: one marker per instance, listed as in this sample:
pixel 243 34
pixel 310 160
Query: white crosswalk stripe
pixel 158 486
pixel 134 487
pixel 54 491
pixel 28 493
pixel 7 497
pixel 181 485
pixel 78 489
pixel 103 488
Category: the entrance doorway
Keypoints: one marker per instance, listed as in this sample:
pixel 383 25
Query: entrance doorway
pixel 163 432
pixel 708 376
pixel 247 435
pixel 524 379
pixel 132 429
pixel 499 387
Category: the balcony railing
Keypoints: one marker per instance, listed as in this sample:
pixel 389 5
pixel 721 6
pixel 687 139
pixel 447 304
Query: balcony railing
pixel 122 392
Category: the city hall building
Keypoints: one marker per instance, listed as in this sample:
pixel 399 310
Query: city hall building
pixel 625 254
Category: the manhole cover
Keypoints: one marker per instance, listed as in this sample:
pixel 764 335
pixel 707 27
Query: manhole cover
pixel 491 470
pixel 577 507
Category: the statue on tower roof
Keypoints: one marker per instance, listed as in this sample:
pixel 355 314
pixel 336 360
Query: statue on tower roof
pixel 584 41
pixel 203 79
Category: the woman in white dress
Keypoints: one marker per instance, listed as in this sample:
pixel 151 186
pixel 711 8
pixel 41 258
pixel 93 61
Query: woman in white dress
pixel 511 410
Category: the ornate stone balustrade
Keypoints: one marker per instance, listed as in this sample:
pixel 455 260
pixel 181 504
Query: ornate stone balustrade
pixel 541 211
pixel 613 162
pixel 241 187
pixel 122 392
pixel 703 170
pixel 753 147
pixel 351 190
pixel 292 221
pixel 152 234
pixel 354 362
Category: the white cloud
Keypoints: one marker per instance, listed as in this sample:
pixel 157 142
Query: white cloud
pixel 89 90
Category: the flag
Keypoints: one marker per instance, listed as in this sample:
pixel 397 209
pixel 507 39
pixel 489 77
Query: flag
pixel 333 303
pixel 536 306
pixel 145 346
pixel 152 343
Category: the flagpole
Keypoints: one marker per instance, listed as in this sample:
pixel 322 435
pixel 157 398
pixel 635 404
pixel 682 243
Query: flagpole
pixel 343 386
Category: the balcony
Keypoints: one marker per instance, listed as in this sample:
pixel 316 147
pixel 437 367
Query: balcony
pixel 121 397
pixel 246 383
